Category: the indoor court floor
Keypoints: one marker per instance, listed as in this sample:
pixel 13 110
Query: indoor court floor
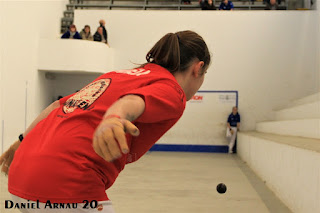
pixel 179 182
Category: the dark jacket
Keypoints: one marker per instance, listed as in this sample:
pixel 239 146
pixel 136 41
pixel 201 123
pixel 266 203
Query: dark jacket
pixel 234 119
pixel 271 7
pixel 206 6
pixel 97 37
pixel 105 34
pixel 67 35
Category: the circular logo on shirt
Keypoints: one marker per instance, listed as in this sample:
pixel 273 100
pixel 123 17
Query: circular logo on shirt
pixel 86 96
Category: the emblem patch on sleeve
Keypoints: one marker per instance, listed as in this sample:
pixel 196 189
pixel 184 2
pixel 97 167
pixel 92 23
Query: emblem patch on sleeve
pixel 86 96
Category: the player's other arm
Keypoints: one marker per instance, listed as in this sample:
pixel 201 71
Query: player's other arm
pixel 109 140
pixel 228 122
pixel 228 125
pixel 42 116
pixel 238 124
pixel 7 157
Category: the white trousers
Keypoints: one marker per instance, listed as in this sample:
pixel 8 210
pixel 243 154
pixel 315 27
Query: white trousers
pixel 232 139
pixel 103 207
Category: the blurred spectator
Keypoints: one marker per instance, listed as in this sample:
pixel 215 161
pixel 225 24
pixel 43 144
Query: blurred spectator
pixel 71 33
pixel 268 1
pixel 226 5
pixel 86 33
pixel 252 1
pixel 98 36
pixel 233 125
pixel 186 1
pixel 271 5
pixel 103 25
pixel 207 5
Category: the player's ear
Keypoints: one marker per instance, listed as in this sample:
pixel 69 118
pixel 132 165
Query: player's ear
pixel 198 68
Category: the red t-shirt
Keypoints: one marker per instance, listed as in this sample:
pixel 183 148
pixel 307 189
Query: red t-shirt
pixel 56 160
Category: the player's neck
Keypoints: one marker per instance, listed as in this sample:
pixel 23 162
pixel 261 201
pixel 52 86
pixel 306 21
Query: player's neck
pixel 182 80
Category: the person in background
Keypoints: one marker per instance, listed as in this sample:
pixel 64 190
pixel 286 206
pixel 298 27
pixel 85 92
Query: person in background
pixel 86 33
pixel 207 5
pixel 98 36
pixel 271 5
pixel 268 1
pixel 226 5
pixel 186 1
pixel 71 33
pixel 252 1
pixel 103 25
pixel 234 126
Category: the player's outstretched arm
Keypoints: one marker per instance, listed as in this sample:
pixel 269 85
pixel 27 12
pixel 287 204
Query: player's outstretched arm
pixel 42 116
pixel 7 157
pixel 109 140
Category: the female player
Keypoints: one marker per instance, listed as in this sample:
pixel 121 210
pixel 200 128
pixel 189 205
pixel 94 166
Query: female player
pixel 75 149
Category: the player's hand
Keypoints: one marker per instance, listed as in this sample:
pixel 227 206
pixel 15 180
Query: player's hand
pixel 109 140
pixel 7 157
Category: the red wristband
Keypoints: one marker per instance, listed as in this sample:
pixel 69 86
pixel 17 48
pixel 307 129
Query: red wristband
pixel 111 116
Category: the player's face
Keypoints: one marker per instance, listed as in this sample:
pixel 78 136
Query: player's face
pixel 102 22
pixel 234 110
pixel 196 84
pixel 100 30
pixel 201 79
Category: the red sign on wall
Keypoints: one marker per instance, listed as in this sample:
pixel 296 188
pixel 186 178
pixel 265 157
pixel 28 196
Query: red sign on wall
pixel 197 98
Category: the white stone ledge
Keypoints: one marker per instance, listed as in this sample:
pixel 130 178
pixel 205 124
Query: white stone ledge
pixel 309 128
pixel 290 167
pixel 304 111
pixel 74 56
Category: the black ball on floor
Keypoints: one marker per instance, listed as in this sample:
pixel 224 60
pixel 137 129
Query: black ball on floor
pixel 221 188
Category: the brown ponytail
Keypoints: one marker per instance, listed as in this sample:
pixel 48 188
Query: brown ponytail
pixel 176 51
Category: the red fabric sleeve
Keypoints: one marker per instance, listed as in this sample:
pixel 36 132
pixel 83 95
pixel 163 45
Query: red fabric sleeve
pixel 164 100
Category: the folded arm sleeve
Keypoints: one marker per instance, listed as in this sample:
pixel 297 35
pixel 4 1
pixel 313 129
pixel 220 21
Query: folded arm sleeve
pixel 229 120
pixel 164 100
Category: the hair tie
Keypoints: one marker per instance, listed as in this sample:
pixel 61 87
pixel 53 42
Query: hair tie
pixel 178 37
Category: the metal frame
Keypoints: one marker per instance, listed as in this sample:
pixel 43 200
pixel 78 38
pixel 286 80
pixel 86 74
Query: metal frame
pixel 145 5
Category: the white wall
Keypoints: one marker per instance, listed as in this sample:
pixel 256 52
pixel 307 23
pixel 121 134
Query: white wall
pixel 66 84
pixel 204 120
pixel 317 41
pixel 1 78
pixel 23 23
pixel 270 57
pixel 270 54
